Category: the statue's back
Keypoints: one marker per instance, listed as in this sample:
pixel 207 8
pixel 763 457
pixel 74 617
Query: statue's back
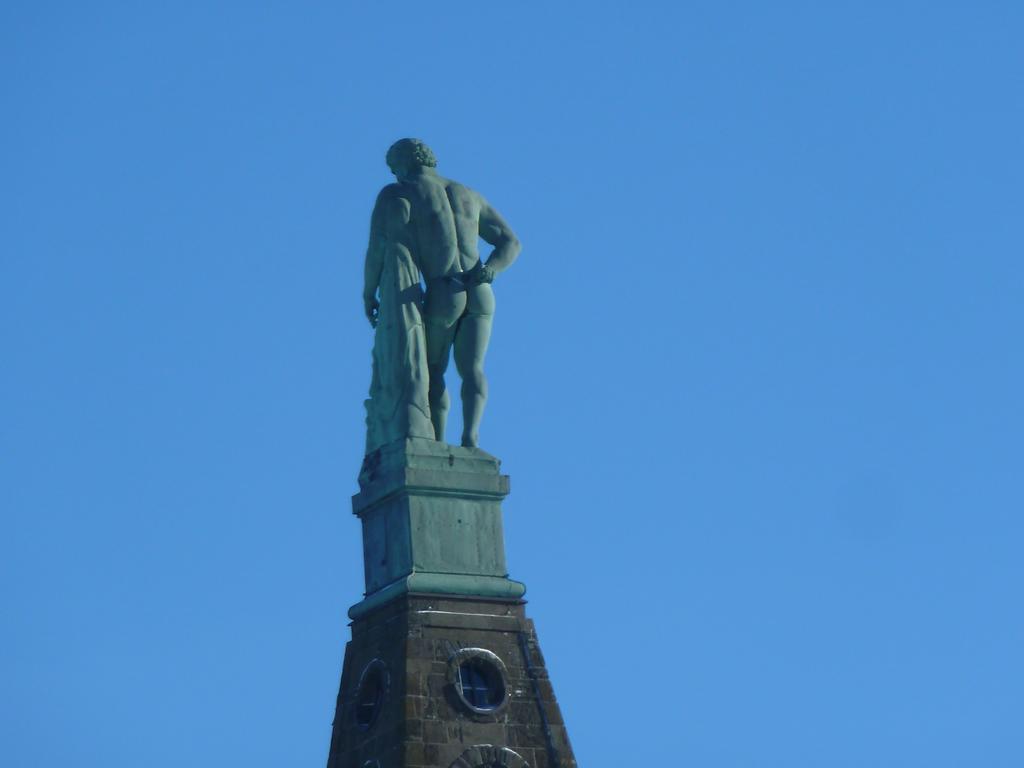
pixel 441 220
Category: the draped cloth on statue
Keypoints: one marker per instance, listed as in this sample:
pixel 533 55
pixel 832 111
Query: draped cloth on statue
pixel 398 406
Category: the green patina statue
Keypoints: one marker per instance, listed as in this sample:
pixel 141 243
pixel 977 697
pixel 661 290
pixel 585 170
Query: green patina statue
pixel 427 225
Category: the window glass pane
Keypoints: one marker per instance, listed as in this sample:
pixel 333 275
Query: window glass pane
pixel 482 685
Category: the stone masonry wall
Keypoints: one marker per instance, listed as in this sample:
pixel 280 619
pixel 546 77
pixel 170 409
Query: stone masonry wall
pixel 424 721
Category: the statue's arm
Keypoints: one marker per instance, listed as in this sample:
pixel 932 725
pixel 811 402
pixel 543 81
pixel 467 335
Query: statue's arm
pixel 371 272
pixel 496 231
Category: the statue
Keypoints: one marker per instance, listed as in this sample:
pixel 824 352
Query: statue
pixel 428 223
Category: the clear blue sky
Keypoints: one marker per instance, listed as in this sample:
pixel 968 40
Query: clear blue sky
pixel 756 376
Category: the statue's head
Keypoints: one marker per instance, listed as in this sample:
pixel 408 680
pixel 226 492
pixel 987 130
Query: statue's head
pixel 406 156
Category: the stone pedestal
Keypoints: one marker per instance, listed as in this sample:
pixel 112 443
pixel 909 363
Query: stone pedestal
pixel 443 669
pixel 431 516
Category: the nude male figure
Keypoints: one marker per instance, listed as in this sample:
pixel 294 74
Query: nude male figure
pixel 442 221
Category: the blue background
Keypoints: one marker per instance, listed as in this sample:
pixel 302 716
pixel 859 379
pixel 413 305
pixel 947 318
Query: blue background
pixel 756 376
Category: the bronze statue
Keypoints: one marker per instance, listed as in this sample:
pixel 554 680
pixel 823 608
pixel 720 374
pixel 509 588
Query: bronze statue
pixel 427 224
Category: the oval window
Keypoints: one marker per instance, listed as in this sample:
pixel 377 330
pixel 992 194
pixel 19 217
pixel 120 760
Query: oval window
pixel 481 684
pixel 370 695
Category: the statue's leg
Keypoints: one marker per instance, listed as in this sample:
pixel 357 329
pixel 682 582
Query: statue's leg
pixel 444 304
pixel 471 341
pixel 439 350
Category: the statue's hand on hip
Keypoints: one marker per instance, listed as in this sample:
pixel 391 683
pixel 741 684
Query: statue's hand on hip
pixel 481 273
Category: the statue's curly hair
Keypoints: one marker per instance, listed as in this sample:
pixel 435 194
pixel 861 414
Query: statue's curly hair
pixel 406 154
